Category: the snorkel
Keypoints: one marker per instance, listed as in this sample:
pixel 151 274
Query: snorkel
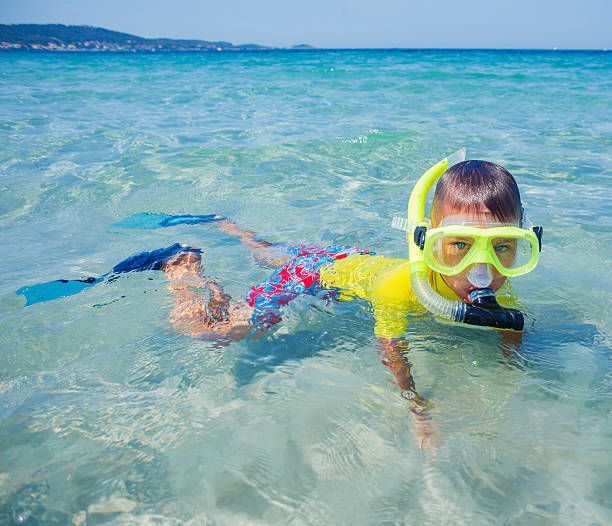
pixel 483 309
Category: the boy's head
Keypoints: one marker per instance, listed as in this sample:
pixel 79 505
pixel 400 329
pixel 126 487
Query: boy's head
pixel 478 189
pixel 482 194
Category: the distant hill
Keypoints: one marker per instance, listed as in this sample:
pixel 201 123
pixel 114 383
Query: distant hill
pixel 59 37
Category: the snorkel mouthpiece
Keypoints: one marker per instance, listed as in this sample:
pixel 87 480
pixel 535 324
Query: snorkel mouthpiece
pixel 484 310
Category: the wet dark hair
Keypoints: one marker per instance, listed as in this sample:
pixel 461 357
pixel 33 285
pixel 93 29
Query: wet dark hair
pixel 471 185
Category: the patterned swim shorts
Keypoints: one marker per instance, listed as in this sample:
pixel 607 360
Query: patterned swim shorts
pixel 299 275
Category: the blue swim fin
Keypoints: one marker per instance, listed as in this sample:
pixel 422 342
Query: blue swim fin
pixel 52 290
pixel 149 220
pixel 61 288
pixel 151 260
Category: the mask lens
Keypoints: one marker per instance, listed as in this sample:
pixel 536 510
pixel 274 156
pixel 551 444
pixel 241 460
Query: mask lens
pixel 511 252
pixel 450 251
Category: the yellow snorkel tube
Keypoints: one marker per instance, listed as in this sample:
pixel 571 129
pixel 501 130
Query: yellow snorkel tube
pixel 484 309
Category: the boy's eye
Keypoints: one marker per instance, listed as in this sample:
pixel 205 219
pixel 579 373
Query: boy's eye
pixel 461 245
pixel 502 248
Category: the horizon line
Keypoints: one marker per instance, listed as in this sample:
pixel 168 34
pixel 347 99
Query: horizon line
pixel 271 49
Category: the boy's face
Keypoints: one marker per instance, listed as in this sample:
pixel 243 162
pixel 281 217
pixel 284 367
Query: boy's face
pixel 460 283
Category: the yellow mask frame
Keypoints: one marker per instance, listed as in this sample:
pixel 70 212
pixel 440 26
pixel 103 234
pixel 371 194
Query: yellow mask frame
pixel 491 246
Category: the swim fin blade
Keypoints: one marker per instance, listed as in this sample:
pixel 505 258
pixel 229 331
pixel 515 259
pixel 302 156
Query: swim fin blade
pixel 52 290
pixel 149 220
pixel 61 288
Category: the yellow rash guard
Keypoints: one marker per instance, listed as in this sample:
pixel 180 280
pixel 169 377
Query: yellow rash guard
pixel 385 283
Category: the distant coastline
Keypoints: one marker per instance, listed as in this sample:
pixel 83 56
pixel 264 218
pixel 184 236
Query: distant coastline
pixel 89 39
pixel 62 38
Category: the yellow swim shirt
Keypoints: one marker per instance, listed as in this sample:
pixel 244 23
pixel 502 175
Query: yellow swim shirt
pixel 385 283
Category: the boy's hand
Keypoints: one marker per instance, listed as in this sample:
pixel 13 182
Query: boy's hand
pixel 427 436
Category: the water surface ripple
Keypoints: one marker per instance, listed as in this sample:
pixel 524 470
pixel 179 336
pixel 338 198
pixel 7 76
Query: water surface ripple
pixel 107 416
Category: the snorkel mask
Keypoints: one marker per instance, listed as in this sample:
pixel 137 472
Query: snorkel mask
pixel 460 246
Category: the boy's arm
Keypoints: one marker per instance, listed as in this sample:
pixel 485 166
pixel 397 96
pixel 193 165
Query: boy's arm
pixel 391 322
pixel 393 357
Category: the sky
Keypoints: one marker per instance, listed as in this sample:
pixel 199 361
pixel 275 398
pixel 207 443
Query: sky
pixel 533 24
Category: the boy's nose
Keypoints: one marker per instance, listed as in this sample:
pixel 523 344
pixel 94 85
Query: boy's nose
pixel 480 275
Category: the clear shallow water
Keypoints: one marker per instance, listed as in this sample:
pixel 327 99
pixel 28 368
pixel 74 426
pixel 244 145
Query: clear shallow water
pixel 107 416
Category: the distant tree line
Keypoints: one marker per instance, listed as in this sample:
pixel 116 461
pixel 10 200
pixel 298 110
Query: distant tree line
pixel 59 37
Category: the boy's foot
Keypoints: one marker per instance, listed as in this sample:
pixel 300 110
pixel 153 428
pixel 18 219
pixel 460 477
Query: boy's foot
pixel 188 259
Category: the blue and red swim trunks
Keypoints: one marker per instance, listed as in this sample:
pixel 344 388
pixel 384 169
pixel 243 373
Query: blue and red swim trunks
pixel 299 275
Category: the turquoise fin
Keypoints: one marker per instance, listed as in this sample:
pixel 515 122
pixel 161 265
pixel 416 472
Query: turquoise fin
pixel 60 288
pixel 149 220
pixel 52 290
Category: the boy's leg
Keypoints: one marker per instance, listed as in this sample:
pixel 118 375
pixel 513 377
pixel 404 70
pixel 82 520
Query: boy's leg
pixel 264 252
pixel 186 285
pixel 219 302
pixel 201 306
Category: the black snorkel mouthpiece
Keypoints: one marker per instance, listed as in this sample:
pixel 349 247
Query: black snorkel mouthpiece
pixel 484 310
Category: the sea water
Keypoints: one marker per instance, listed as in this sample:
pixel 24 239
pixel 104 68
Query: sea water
pixel 107 416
